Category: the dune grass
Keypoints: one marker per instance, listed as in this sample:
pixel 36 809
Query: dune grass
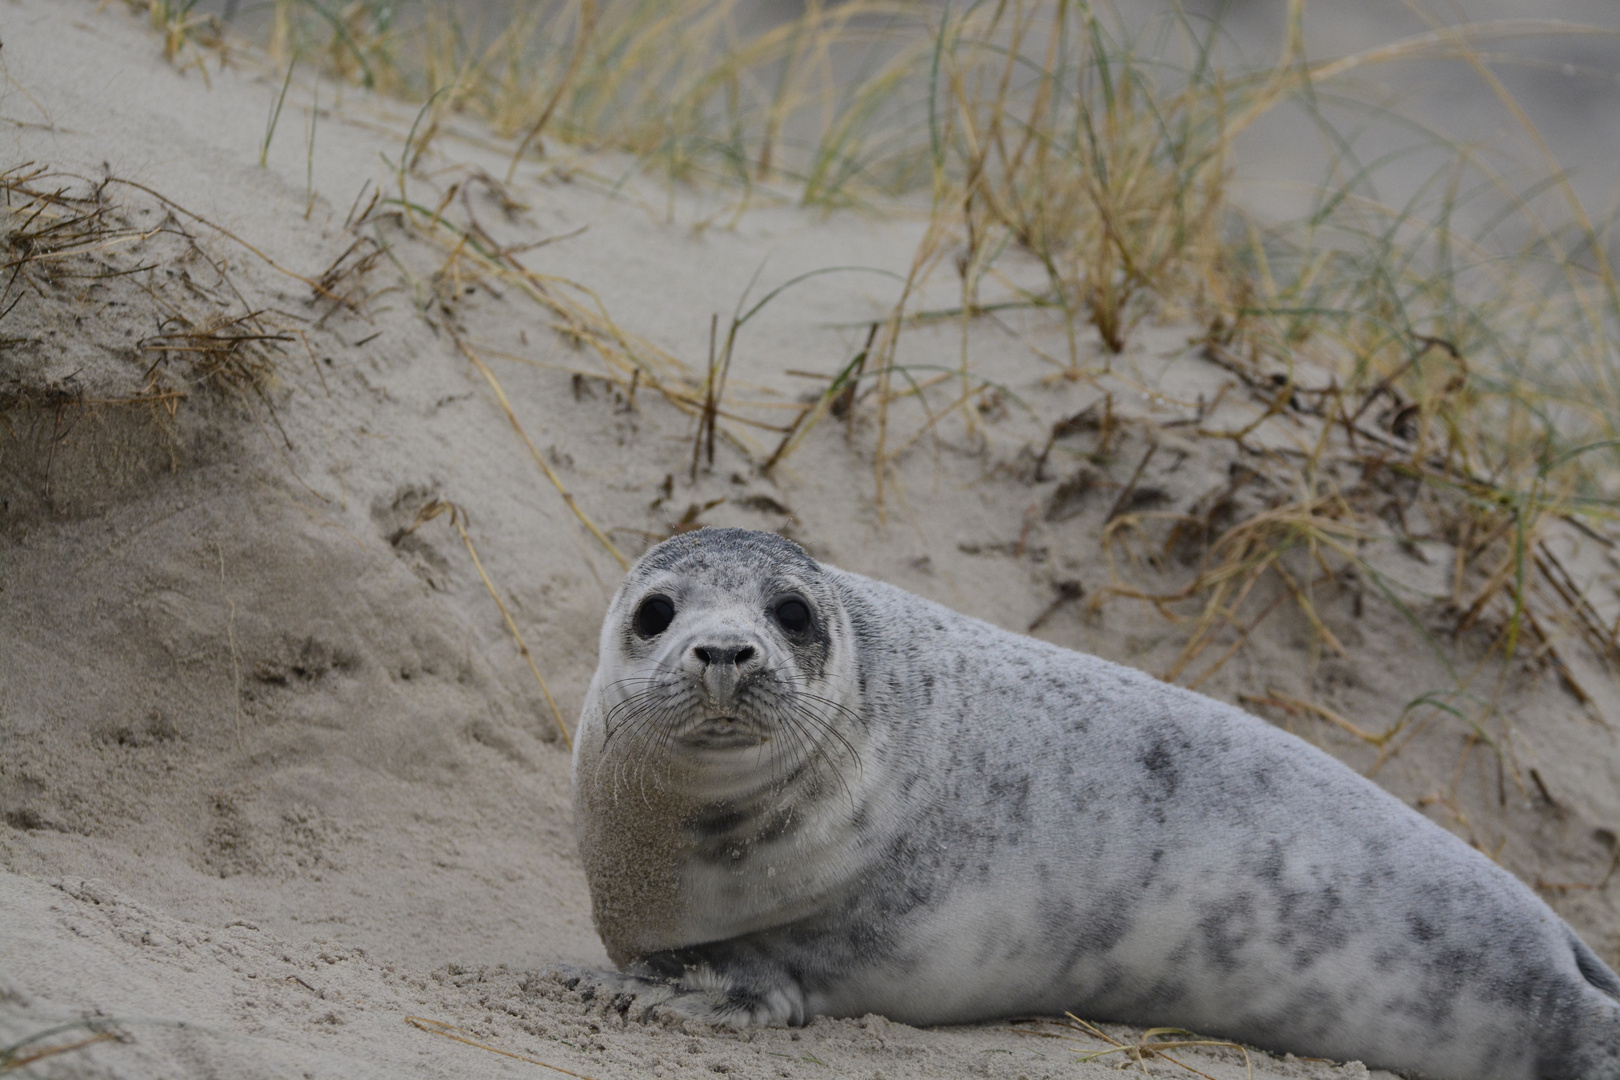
pixel 1100 151
pixel 1453 355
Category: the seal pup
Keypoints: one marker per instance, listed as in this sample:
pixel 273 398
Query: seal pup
pixel 801 792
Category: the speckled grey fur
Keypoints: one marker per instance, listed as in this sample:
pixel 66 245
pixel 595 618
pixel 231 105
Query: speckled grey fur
pixel 930 818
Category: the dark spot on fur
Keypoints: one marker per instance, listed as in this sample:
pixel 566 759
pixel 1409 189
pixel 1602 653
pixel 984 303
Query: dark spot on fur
pixel 1157 761
pixel 1271 864
pixel 1308 920
pixel 1422 928
pixel 1226 928
pixel 1153 867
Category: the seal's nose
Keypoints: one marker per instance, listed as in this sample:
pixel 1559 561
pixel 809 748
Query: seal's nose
pixel 736 656
pixel 722 665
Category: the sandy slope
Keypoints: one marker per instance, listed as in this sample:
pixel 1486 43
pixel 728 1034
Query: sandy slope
pixel 272 774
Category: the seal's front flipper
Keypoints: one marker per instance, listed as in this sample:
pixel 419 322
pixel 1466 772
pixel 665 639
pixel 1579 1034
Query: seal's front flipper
pixel 631 996
pixel 727 986
pixel 734 995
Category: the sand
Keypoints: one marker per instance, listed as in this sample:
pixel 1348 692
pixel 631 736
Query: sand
pixel 274 776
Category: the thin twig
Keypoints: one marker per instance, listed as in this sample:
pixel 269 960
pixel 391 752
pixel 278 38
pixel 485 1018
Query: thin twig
pixel 442 1029
pixel 458 517
pixel 545 467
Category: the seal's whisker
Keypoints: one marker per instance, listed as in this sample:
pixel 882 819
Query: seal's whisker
pixel 836 706
pixel 651 717
pixel 823 748
pixel 653 714
pixel 633 713
pixel 826 723
pixel 655 692
pixel 816 778
pixel 803 747
pixel 630 702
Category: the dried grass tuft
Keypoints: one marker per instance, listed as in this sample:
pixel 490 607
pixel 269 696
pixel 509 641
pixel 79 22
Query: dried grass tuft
pixel 68 242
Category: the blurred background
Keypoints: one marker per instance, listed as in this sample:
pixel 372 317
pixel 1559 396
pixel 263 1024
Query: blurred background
pixel 1554 107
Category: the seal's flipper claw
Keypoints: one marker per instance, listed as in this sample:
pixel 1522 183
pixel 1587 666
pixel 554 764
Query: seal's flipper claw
pixel 634 997
pixel 739 998
pixel 751 997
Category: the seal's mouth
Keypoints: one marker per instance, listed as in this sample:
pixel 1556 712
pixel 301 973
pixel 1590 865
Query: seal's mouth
pixel 723 733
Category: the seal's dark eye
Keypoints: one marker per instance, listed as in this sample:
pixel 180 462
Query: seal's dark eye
pixel 794 615
pixel 654 616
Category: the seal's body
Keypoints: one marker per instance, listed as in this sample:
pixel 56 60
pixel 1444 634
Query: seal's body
pixel 799 792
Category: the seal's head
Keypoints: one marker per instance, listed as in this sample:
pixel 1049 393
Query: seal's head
pixel 724 663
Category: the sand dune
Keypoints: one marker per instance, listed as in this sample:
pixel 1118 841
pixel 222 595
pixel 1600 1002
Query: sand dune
pixel 274 776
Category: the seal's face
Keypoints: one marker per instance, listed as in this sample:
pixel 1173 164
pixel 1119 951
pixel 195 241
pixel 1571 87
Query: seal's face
pixel 722 643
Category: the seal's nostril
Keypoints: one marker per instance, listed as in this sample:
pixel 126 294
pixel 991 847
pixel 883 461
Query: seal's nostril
pixel 708 655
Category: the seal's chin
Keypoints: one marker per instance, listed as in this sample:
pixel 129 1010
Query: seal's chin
pixel 723 733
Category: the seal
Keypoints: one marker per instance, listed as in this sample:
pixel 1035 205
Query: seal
pixel 801 792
